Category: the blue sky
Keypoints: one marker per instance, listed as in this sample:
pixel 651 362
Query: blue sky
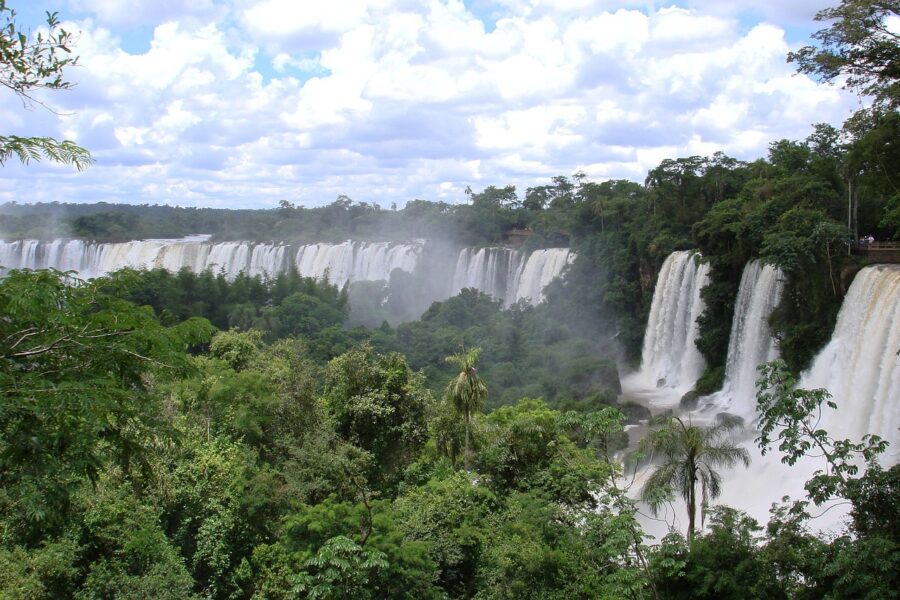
pixel 242 103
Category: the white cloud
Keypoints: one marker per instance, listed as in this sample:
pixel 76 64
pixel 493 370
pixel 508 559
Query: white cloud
pixel 540 129
pixel 132 13
pixel 243 104
pixel 283 18
pixel 792 13
pixel 684 28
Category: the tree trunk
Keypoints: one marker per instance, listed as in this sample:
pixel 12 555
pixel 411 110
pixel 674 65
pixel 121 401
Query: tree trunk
pixel 466 449
pixel 692 509
pixel 830 269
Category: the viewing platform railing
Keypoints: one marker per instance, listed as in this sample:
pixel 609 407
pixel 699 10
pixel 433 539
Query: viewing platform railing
pixel 879 252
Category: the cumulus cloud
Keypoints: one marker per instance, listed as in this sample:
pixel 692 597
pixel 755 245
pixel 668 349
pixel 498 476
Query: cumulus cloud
pixel 246 103
pixel 793 13
pixel 136 13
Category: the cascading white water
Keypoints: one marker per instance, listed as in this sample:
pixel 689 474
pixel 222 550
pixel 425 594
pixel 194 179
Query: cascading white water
pixel 860 366
pixel 489 270
pixel 356 261
pixel 751 342
pixel 670 357
pixel 509 275
pixel 542 267
pixel 504 273
pixel 350 261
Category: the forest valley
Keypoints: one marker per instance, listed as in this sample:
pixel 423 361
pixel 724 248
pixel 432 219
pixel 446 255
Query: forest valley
pixel 189 435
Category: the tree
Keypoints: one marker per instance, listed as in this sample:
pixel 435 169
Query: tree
pixel 467 392
pixel 76 365
pixel 341 569
pixel 378 404
pixel 864 562
pixel 524 448
pixel 790 417
pixel 690 453
pixel 237 348
pixel 450 515
pixel 861 48
pixel 860 45
pixel 325 551
pixel 35 64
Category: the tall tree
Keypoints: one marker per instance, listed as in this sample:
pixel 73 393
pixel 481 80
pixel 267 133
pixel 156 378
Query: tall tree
pixel 860 45
pixel 378 404
pixel 861 48
pixel 28 65
pixel 690 454
pixel 467 392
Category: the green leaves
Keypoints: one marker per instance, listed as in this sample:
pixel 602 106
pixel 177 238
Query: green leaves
pixel 28 65
pixel 689 453
pixel 238 349
pixel 340 569
pixel 35 64
pixel 859 44
pixel 75 364
pixel 466 393
pixel 28 149
pixel 789 416
pixel 378 404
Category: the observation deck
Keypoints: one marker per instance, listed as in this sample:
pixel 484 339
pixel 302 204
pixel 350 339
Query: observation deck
pixel 517 237
pixel 880 252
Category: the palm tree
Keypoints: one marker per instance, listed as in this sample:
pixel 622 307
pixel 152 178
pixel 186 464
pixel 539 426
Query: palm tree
pixel 467 392
pixel 690 454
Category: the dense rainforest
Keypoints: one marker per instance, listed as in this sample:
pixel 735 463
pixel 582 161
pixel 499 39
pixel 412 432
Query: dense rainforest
pixel 187 435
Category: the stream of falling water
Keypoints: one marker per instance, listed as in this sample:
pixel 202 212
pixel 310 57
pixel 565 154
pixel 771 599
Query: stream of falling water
pixel 860 367
pixel 670 360
pixel 750 343
pixel 507 274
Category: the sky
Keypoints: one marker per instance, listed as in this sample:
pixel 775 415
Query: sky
pixel 243 103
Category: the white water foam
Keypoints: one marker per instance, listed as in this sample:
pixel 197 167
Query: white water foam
pixel 751 342
pixel 670 360
pixel 504 273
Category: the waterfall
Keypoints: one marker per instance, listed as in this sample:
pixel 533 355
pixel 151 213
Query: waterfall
pixel 751 342
pixel 509 275
pixel 504 273
pixel 669 357
pixel 356 261
pixel 18 255
pixel 490 270
pixel 542 267
pixel 860 366
pixel 349 261
pixel 93 260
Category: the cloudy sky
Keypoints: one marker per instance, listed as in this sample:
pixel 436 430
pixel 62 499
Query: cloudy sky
pixel 242 103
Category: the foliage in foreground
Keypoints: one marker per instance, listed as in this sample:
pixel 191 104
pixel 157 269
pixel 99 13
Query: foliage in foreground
pixel 251 470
